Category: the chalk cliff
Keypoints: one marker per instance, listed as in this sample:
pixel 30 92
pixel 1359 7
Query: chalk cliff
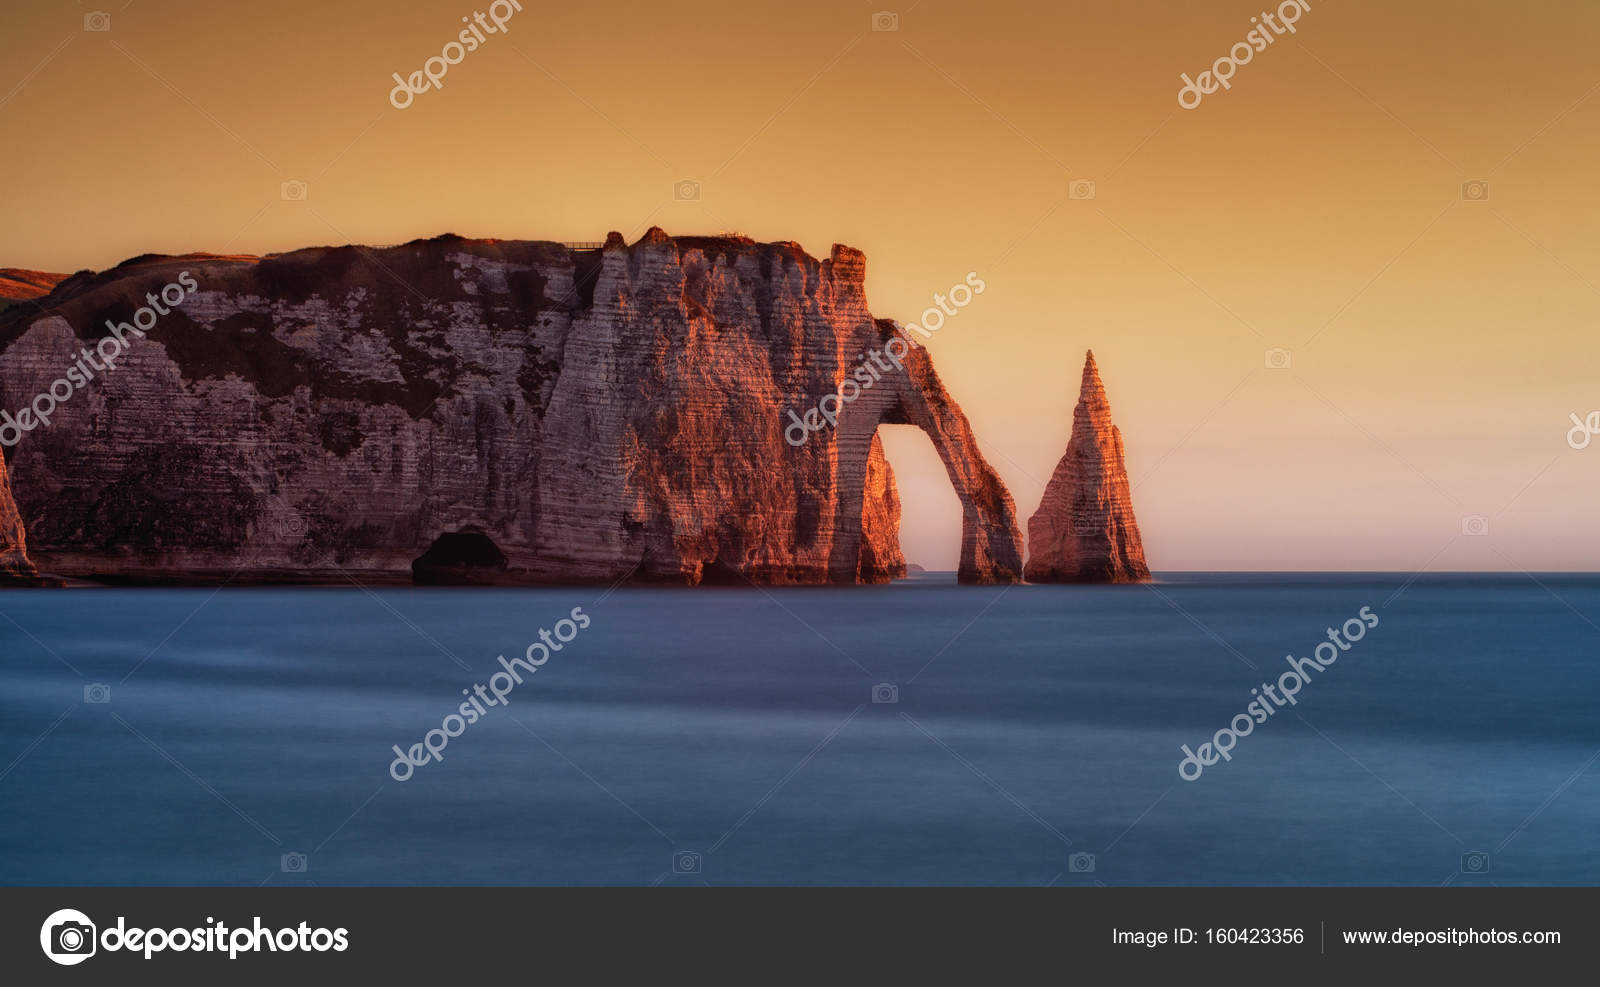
pixel 456 410
pixel 15 568
pixel 1084 530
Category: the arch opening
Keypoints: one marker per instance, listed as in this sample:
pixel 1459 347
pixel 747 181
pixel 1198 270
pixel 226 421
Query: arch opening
pixel 930 510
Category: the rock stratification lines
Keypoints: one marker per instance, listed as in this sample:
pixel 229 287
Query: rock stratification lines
pixel 1084 530
pixel 495 411
pixel 14 565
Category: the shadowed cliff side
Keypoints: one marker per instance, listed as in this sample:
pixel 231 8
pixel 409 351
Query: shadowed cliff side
pixel 1084 530
pixel 476 411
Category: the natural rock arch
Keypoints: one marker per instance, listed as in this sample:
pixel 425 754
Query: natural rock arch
pixel 991 541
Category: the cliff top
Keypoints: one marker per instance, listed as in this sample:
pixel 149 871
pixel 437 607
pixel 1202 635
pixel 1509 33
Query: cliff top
pixel 52 290
pixel 17 283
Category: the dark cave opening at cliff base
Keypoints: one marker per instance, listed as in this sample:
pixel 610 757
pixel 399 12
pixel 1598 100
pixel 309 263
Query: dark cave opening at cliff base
pixel 459 558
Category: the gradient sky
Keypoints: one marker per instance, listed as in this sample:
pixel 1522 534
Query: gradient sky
pixel 1437 345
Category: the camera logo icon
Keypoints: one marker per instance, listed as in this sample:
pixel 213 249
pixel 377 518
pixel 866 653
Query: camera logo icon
pixel 295 191
pixel 288 524
pixel 886 20
pixel 293 863
pixel 883 692
pixel 686 191
pixel 1475 191
pixel 97 692
pixel 67 937
pixel 1279 358
pixel 1475 525
pixel 686 862
pixel 1081 189
pixel 1475 862
pixel 97 20
pixel 1081 863
pixel 1083 524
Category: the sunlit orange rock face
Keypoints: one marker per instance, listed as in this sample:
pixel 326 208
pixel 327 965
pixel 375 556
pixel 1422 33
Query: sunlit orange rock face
pixel 14 565
pixel 1084 530
pixel 457 410
pixel 17 284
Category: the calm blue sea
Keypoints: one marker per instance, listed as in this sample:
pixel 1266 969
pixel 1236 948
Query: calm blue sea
pixel 730 736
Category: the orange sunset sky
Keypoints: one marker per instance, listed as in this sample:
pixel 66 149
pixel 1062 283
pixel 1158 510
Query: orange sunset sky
pixel 1437 344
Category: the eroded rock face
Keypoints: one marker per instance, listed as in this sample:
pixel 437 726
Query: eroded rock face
pixel 496 411
pixel 15 568
pixel 991 540
pixel 1084 530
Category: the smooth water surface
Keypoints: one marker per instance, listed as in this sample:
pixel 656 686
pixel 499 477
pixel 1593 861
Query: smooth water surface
pixel 735 732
